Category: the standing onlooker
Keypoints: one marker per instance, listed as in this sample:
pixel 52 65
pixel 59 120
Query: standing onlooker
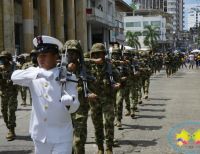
pixel 192 60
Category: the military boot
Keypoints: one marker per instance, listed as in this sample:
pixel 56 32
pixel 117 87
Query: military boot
pixel 132 114
pixel 127 113
pixel 140 101
pixel 146 96
pixel 118 123
pixel 109 151
pixel 11 135
pixel 100 149
pixel 23 103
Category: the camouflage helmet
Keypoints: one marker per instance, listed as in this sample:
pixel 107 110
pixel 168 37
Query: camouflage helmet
pixel 72 45
pixel 127 51
pixel 33 53
pixel 116 50
pixel 98 47
pixel 6 54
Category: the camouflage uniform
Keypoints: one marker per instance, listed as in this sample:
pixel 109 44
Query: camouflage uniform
pixel 9 93
pixel 146 73
pixel 103 107
pixel 80 117
pixel 123 92
pixel 133 95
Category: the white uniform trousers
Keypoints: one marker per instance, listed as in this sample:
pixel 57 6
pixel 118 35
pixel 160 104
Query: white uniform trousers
pixel 53 148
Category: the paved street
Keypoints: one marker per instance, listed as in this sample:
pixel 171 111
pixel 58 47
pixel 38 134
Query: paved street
pixel 171 101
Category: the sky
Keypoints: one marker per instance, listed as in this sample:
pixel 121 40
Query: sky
pixel 189 4
pixel 128 1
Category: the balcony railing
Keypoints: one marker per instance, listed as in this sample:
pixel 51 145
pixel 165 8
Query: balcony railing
pixel 95 14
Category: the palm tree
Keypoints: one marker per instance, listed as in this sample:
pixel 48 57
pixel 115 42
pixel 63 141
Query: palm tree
pixel 132 39
pixel 151 37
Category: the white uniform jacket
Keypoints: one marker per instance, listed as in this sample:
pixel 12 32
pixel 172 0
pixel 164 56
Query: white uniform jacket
pixel 50 119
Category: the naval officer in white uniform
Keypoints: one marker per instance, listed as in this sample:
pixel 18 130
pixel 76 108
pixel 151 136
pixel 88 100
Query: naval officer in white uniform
pixel 50 124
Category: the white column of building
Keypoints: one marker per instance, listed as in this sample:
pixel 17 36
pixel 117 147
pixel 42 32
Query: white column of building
pixel 45 17
pixel 70 19
pixel 59 20
pixel 9 25
pixel 81 23
pixel 28 24
pixel 1 26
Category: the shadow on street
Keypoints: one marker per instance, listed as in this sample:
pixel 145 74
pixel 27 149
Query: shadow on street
pixel 149 116
pixel 160 99
pixel 141 143
pixel 153 110
pixel 25 138
pixel 126 126
pixel 17 152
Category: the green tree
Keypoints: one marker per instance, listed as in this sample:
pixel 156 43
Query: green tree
pixel 132 39
pixel 133 5
pixel 151 37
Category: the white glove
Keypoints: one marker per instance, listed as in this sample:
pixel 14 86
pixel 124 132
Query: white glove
pixel 66 99
pixel 45 74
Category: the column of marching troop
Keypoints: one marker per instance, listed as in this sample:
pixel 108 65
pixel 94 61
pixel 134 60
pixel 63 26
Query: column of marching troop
pixel 108 78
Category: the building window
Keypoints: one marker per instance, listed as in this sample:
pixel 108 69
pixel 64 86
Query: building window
pixel 129 24
pixel 136 24
pixel 145 23
pixel 133 24
pixel 156 23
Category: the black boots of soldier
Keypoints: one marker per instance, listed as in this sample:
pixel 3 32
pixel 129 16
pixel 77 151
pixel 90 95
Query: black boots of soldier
pixel 101 150
pixel 11 135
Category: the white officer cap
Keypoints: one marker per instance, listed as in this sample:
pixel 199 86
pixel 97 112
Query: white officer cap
pixel 45 43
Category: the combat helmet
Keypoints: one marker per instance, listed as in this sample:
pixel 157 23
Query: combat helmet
pixel 98 47
pixel 127 51
pixel 72 45
pixel 116 50
pixel 7 55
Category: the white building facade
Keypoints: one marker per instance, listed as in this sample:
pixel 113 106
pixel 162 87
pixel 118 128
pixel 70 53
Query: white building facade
pixel 100 20
pixel 173 7
pixel 138 23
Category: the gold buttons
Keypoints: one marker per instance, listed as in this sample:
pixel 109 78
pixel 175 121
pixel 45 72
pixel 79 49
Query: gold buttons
pixel 46 84
pixel 46 106
pixel 46 96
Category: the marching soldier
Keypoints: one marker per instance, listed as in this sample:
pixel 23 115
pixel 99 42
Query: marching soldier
pixel 75 65
pixel 123 92
pixel 146 73
pixel 8 93
pixel 103 105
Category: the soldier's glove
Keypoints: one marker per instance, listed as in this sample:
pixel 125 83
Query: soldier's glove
pixel 92 97
pixel 66 99
pixel 123 78
pixel 116 86
pixel 45 74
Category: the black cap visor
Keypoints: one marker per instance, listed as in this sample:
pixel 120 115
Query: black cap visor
pixel 45 47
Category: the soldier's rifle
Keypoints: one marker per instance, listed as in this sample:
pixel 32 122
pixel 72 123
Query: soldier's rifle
pixel 84 76
pixel 63 73
pixel 109 65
